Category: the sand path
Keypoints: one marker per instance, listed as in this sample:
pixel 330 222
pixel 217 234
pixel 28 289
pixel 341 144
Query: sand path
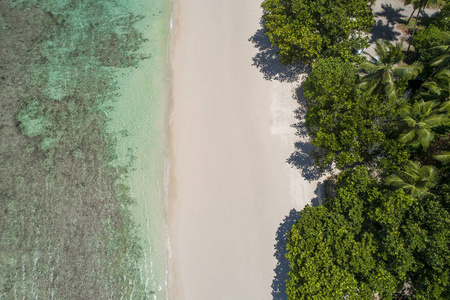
pixel 230 188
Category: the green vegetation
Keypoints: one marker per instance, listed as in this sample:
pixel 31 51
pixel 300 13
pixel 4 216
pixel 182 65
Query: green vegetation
pixel 384 122
pixel 419 120
pixel 419 6
pixel 65 222
pixel 305 30
pixel 346 126
pixel 383 71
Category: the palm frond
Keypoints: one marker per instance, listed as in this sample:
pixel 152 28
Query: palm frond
pixel 444 157
pixel 424 108
pixel 370 83
pixel 369 67
pixel 406 136
pixel 445 106
pixel 428 176
pixel 444 36
pixel 406 111
pixel 394 180
pixel 440 47
pixel 415 178
pixel 420 193
pixel 409 71
pixel 424 136
pixel 389 87
pixel 381 48
pixel 409 121
pixel 432 86
pixel 443 74
pixel 395 53
pixel 440 60
pixel 436 120
pixel 413 169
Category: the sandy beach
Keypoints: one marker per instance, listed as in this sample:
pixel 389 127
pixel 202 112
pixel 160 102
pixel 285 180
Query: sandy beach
pixel 231 191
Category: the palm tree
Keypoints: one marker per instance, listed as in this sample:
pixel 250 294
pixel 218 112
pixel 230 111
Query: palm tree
pixel 420 118
pixel 416 178
pixel 419 5
pixel 437 86
pixel 414 3
pixel 444 59
pixel 382 69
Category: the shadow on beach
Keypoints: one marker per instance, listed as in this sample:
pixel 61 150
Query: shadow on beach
pixel 268 63
pixel 301 157
pixel 282 268
pixel 392 15
pixel 386 31
pixel 383 31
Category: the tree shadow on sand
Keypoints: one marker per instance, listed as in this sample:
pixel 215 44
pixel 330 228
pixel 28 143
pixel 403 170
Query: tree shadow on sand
pixel 387 31
pixel 268 63
pixel 383 31
pixel 282 269
pixel 392 15
pixel 301 157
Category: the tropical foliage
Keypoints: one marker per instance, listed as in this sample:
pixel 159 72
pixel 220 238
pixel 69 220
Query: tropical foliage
pixel 369 240
pixel 346 126
pixel 304 30
pixel 416 178
pixel 384 68
pixel 419 5
pixel 420 119
pixel 383 122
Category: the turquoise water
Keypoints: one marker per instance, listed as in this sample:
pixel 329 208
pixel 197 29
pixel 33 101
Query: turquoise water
pixel 84 100
pixel 143 110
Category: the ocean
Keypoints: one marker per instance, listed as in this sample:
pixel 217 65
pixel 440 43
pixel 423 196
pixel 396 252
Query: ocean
pixel 143 110
pixel 84 149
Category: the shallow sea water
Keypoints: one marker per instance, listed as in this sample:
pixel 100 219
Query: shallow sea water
pixel 85 90
pixel 143 110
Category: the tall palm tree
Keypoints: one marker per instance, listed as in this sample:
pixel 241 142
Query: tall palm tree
pixel 382 70
pixel 415 178
pixel 419 5
pixel 414 3
pixel 420 118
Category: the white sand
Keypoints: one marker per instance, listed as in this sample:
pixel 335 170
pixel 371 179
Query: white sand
pixel 230 185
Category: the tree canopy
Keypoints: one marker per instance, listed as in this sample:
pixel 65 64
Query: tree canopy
pixel 305 30
pixel 369 240
pixel 346 126
pixel 384 226
pixel 384 68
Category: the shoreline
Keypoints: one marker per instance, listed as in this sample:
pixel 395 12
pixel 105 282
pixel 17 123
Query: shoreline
pixel 231 190
pixel 171 188
pixel 143 111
